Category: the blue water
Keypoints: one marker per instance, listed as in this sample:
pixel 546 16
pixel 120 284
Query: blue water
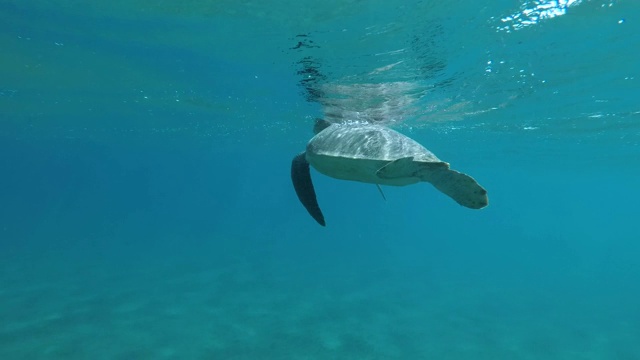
pixel 148 212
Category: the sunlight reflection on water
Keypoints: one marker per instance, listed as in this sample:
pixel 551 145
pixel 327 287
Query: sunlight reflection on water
pixel 532 12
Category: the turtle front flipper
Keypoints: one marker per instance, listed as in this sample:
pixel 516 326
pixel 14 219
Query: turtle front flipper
pixel 301 178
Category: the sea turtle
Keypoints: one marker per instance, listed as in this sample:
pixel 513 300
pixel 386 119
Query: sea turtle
pixel 379 155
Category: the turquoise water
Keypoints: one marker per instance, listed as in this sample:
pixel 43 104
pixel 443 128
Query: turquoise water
pixel 147 207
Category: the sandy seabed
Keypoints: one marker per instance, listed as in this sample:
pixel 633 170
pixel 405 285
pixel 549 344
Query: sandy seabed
pixel 249 311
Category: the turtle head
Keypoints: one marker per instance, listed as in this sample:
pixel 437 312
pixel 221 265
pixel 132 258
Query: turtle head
pixel 320 125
